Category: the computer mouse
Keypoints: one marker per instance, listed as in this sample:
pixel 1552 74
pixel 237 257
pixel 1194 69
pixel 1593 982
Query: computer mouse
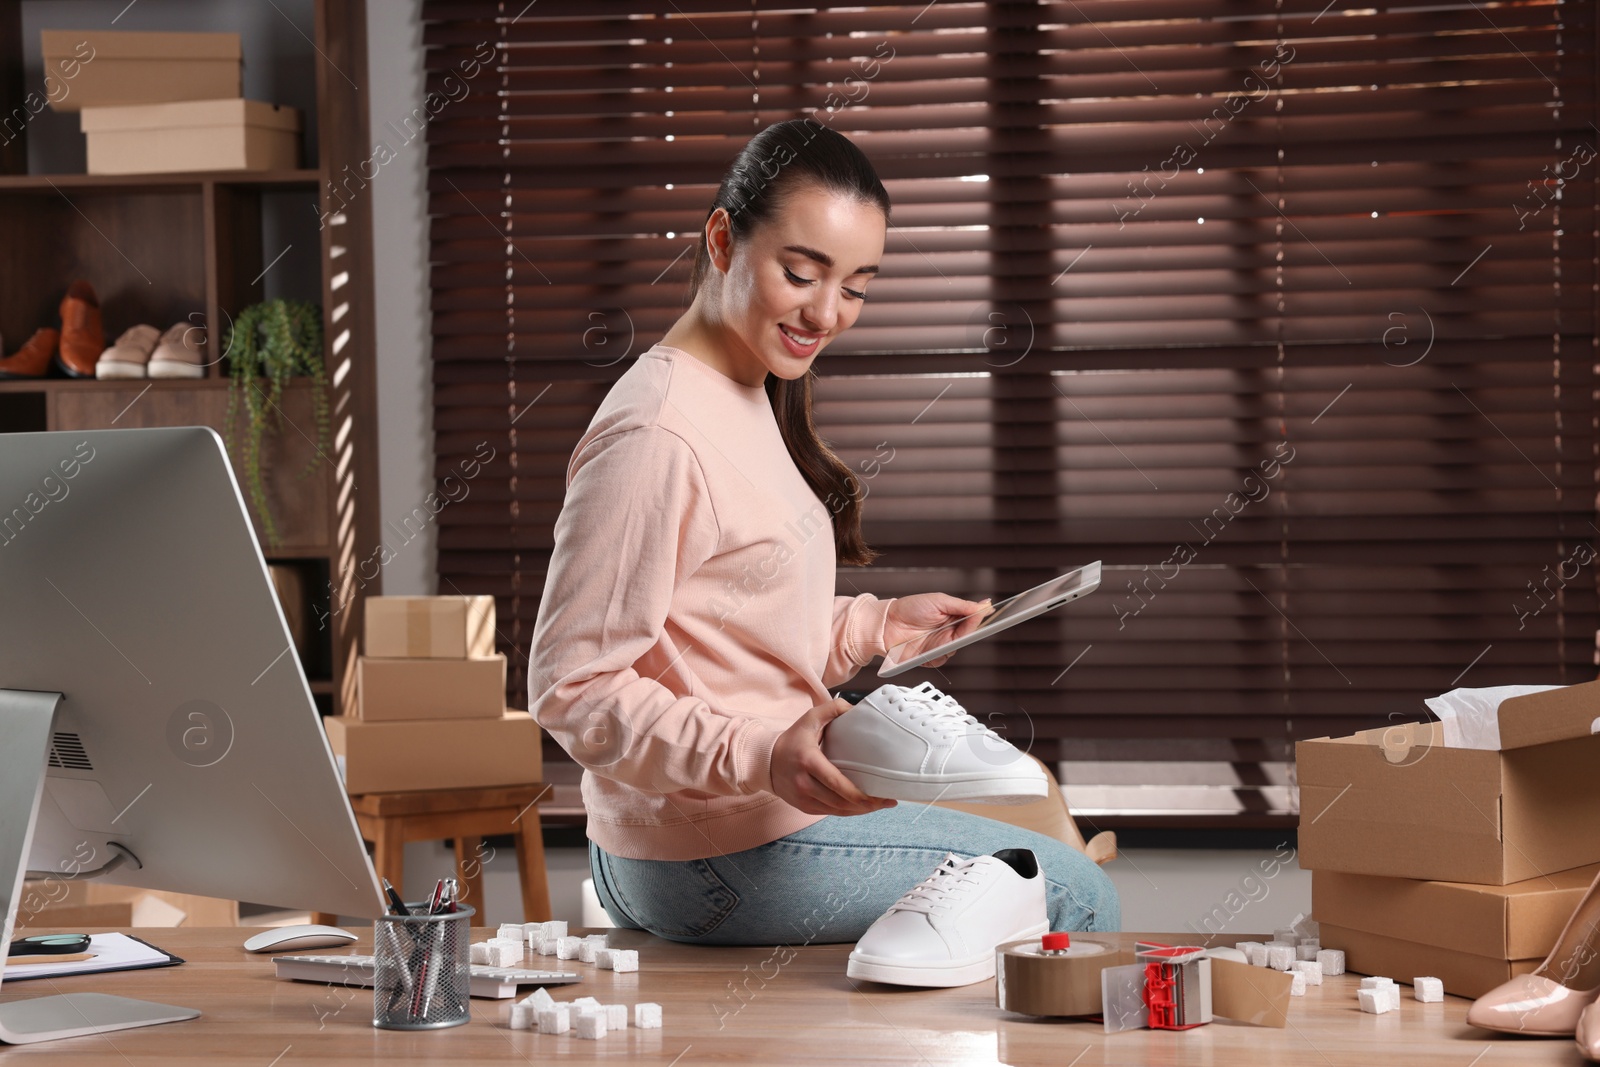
pixel 292 938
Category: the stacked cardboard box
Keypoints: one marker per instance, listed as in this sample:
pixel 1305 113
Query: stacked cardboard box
pixel 430 702
pixel 1459 863
pixel 166 102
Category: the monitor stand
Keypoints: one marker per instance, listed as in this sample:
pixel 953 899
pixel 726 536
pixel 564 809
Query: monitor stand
pixel 25 723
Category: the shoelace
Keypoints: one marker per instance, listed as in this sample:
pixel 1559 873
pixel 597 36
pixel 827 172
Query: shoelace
pixel 937 892
pixel 939 710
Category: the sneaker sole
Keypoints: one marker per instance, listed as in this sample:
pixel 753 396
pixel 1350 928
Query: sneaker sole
pixel 116 370
pixel 934 787
pixel 160 368
pixel 934 975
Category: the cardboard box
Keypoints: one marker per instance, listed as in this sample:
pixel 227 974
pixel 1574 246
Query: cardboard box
pixel 389 757
pixel 430 627
pixel 109 68
pixel 396 690
pixel 195 135
pixel 1396 802
pixel 1462 973
pixel 1512 922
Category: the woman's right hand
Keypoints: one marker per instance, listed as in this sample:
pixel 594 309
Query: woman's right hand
pixel 804 778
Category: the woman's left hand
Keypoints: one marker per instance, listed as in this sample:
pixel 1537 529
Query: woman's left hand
pixel 913 616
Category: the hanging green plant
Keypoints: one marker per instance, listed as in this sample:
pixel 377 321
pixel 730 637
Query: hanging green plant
pixel 268 344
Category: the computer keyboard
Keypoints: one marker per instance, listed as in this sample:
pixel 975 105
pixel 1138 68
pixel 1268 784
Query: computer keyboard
pixel 495 983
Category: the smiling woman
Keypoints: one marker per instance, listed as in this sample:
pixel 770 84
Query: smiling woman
pixel 794 234
pixel 688 631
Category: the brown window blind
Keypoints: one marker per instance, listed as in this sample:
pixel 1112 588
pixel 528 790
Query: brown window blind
pixel 1284 310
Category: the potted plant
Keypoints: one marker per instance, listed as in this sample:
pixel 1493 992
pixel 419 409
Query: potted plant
pixel 268 344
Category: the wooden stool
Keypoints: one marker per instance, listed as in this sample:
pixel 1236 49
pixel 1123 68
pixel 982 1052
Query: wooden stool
pixel 389 820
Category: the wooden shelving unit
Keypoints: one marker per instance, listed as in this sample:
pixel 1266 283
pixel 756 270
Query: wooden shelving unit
pixel 169 248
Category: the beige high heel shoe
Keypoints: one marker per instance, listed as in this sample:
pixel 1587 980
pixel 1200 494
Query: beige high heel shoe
pixel 1550 1001
pixel 1588 1034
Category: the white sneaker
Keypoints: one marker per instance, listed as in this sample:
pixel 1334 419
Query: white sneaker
pixel 945 930
pixel 919 744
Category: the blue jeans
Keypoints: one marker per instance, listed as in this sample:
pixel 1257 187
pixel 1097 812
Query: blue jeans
pixel 828 882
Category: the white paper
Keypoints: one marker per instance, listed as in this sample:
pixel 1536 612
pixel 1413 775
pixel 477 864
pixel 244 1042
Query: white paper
pixel 112 952
pixel 1471 717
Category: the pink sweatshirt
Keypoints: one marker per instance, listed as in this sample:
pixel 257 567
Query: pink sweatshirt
pixel 688 616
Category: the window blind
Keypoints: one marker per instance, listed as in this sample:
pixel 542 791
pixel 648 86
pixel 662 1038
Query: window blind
pixel 1286 311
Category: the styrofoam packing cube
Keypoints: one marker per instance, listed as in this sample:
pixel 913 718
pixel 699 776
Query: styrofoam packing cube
pixel 586 950
pixel 1256 953
pixel 556 1019
pixel 1310 928
pixel 547 947
pixel 1311 969
pixel 1307 952
pixel 522 1017
pixel 540 999
pixel 556 929
pixel 625 959
pixel 647 1016
pixel 1284 935
pixel 1297 985
pixel 478 953
pixel 512 931
pixel 533 933
pixel 599 939
pixel 1394 996
pixel 1428 990
pixel 1279 957
pixel 602 958
pixel 1376 981
pixel 1332 961
pixel 616 1016
pixel 1244 946
pixel 584 1002
pixel 567 948
pixel 591 1025
pixel 1373 1001
pixel 503 953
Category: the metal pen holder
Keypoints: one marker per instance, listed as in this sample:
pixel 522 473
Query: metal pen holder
pixel 423 977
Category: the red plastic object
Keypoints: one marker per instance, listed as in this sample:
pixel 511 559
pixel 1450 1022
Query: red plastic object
pixel 1055 942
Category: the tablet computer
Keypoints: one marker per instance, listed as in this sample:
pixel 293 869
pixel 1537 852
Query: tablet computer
pixel 1006 614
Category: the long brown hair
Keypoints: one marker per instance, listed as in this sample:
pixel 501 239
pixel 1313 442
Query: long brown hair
pixel 778 160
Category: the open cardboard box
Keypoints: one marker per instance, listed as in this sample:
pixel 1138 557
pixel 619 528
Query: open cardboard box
pixel 1397 802
pixel 1473 937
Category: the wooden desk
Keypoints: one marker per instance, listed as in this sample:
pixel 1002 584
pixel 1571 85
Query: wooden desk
pixel 805 1011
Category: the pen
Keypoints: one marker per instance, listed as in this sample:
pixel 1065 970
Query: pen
pixel 445 900
pixel 396 905
pixel 437 899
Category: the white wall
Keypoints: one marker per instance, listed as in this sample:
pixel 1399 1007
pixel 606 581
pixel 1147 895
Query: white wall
pixel 400 281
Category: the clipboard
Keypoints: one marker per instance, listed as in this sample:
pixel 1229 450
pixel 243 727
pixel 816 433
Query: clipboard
pixel 128 959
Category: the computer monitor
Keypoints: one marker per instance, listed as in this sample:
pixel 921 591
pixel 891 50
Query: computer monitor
pixel 156 725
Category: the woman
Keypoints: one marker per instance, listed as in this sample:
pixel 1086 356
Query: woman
pixel 689 629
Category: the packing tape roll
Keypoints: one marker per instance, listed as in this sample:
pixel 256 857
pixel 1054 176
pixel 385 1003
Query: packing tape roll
pixel 1029 982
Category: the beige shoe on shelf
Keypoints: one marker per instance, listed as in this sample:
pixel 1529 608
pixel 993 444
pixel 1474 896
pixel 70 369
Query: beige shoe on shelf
pixel 130 356
pixel 177 355
pixel 1550 1001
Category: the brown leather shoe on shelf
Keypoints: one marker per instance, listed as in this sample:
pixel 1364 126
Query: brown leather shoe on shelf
pixel 83 338
pixel 32 360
